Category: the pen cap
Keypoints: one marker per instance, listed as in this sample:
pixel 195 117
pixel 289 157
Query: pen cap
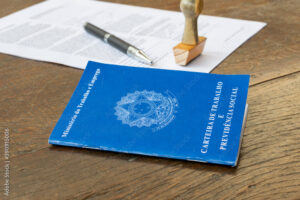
pixel 98 32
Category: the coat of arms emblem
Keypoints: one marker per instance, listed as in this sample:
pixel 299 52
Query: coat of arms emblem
pixel 146 109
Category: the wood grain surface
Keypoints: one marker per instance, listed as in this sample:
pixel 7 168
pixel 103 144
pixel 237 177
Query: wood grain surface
pixel 34 94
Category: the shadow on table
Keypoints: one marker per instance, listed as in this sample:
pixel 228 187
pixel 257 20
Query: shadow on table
pixel 146 159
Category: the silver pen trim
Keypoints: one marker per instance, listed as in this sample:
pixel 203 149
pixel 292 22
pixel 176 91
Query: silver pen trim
pixel 106 36
pixel 139 55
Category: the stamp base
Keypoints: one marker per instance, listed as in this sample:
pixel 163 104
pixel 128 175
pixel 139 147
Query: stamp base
pixel 186 53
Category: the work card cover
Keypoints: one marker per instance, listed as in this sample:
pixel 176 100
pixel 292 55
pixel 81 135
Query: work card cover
pixel 165 113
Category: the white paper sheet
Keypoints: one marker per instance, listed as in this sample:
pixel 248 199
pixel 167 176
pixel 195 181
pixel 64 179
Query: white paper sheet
pixel 53 31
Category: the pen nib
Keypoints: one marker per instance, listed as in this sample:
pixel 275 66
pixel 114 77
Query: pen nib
pixel 144 57
pixel 139 55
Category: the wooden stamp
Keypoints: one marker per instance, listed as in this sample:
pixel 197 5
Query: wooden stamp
pixel 192 45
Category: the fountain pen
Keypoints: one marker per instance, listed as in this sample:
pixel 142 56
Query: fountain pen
pixel 119 44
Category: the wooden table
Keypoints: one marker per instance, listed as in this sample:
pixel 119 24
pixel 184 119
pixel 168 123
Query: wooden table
pixel 34 94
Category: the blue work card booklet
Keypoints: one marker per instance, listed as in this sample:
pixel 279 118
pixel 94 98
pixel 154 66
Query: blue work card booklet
pixel 165 113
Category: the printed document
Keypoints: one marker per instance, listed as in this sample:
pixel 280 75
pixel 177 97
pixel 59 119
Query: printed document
pixel 53 31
